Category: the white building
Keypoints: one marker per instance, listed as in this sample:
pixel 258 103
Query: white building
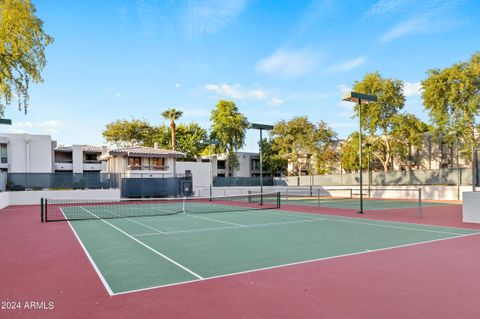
pixel 249 165
pixel 141 161
pixel 26 153
pixel 78 159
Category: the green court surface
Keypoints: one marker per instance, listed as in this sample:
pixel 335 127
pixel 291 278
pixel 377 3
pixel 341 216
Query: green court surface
pixel 138 253
pixel 369 204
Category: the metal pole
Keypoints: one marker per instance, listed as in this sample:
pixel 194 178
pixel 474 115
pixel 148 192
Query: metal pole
pixel 368 170
pixel 420 210
pixel 211 170
pixel 261 170
pixel 360 154
pixel 458 169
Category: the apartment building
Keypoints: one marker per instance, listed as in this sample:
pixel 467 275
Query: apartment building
pixel 140 161
pixel 26 153
pixel 78 159
pixel 249 165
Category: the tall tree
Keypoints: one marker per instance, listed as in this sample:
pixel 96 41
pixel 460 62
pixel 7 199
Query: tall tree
pixel 128 133
pixel 189 137
pixel 172 115
pixel 299 141
pixel 408 133
pixel 452 97
pixel 349 154
pixel 228 128
pixel 377 117
pixel 272 162
pixel 22 51
pixel 325 157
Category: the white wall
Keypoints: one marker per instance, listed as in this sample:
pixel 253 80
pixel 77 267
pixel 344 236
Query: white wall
pixel 428 192
pixel 77 158
pixel 28 153
pixel 33 197
pixel 471 207
pixel 200 172
pixel 4 199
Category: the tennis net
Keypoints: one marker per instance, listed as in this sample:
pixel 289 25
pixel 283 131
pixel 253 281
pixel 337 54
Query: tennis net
pixel 84 209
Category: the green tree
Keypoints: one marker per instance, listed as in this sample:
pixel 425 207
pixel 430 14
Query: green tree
pixel 172 115
pixel 22 51
pixel 228 128
pixel 189 137
pixel 271 161
pixel 452 98
pixel 407 132
pixel 349 154
pixel 325 156
pixel 299 140
pixel 377 117
pixel 128 133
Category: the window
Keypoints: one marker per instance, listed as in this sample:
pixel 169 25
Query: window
pixel 91 157
pixel 158 162
pixel 3 153
pixel 221 164
pixel 255 164
pixel 134 161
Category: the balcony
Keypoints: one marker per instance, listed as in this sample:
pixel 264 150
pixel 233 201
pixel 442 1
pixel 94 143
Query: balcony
pixel 92 166
pixel 148 168
pixel 63 166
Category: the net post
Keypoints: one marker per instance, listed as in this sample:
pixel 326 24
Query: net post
pixel 278 200
pixel 41 209
pixel 351 193
pixel 318 197
pixel 45 210
pixel 420 210
pixel 183 204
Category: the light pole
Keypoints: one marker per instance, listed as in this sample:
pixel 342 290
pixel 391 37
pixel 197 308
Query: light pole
pixel 457 133
pixel 369 145
pixel 260 127
pixel 210 142
pixel 360 98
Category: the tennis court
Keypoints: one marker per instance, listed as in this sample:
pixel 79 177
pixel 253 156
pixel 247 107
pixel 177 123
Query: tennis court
pixel 161 243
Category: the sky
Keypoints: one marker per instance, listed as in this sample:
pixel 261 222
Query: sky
pixel 115 59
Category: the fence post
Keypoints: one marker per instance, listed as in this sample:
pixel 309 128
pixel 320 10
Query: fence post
pixel 420 211
pixel 318 198
pixel 41 209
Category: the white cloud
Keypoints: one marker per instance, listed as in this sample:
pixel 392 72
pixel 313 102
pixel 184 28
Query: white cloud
pixel 275 101
pixel 411 89
pixel 113 92
pixel 410 26
pixel 178 85
pixel 236 91
pixel 347 66
pixel 209 16
pixel 343 88
pixel 384 7
pixel 289 63
pixel 45 127
pixel 428 17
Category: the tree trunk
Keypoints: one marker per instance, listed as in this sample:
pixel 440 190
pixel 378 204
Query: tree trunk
pixel 172 128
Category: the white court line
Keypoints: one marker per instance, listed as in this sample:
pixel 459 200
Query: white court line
pixel 139 223
pixel 146 246
pixel 380 225
pixel 231 227
pixel 296 263
pixel 97 270
pixel 215 220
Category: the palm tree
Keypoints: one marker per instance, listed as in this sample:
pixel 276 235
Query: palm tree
pixel 172 115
